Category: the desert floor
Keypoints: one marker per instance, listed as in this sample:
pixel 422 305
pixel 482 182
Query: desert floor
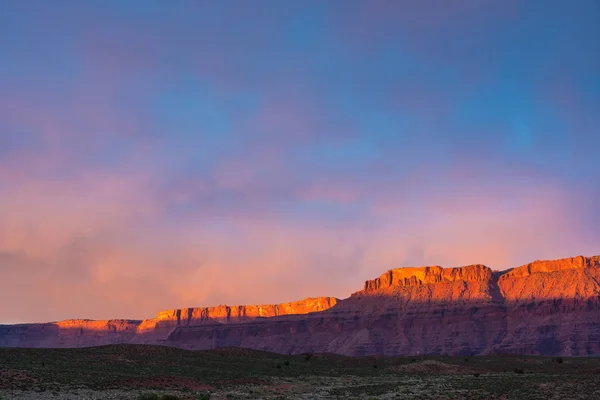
pixel 155 372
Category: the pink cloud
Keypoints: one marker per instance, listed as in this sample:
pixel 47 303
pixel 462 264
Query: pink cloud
pixel 95 248
pixel 103 234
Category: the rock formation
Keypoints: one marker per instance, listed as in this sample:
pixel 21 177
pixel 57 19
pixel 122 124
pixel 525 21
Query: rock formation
pixel 169 319
pixel 545 307
pixel 85 332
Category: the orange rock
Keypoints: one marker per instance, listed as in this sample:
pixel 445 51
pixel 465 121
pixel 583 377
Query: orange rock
pixel 232 314
pixel 428 275
pixel 113 325
pixel 565 264
pixel 569 278
pixel 545 307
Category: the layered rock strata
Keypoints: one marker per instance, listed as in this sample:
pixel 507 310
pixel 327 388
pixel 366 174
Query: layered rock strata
pixel 545 307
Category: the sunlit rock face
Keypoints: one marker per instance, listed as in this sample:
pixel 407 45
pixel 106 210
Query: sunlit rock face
pixel 170 319
pixel 424 287
pixel 545 307
pixel 570 278
pixel 69 333
pixel 85 332
pixel 418 276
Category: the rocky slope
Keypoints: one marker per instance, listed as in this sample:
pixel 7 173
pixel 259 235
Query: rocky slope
pixel 545 307
pixel 85 332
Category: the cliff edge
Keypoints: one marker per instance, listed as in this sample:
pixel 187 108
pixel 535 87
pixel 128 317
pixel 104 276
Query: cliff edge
pixel 544 307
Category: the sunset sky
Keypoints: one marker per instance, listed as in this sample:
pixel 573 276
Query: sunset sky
pixel 165 154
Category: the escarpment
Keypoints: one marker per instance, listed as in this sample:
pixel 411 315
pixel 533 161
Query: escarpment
pixel 86 332
pixel 234 314
pixel 569 278
pixel 402 289
pixel 412 276
pixel 544 307
pixel 69 333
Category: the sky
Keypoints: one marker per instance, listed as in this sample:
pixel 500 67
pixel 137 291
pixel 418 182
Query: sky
pixel 167 154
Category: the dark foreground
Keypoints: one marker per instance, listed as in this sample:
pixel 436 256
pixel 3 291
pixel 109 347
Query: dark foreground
pixel 154 372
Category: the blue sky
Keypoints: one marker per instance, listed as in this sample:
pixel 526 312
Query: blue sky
pixel 257 152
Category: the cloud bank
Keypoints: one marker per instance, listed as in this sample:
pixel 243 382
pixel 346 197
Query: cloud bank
pixel 163 156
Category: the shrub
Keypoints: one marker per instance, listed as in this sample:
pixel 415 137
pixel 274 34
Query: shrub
pixel 148 396
pixel 287 363
pixel 308 356
pixel 278 366
pixel 558 360
pixel 476 374
pixel 519 371
pixel 169 397
pixel 203 396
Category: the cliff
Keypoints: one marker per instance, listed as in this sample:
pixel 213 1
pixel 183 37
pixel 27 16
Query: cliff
pixel 401 277
pixel 233 314
pixel 85 332
pixel 570 278
pixel 545 307
pixel 69 333
pixel 404 288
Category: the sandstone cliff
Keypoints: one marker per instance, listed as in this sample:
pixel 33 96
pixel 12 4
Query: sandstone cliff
pixel 545 307
pixel 570 278
pixel 85 332
pixel 169 319
pixel 69 333
pixel 401 277
pixel 405 288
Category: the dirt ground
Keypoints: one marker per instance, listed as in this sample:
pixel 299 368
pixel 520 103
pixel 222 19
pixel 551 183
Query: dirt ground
pixel 159 373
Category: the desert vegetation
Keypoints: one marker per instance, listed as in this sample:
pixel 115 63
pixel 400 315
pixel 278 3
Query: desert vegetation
pixel 162 373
